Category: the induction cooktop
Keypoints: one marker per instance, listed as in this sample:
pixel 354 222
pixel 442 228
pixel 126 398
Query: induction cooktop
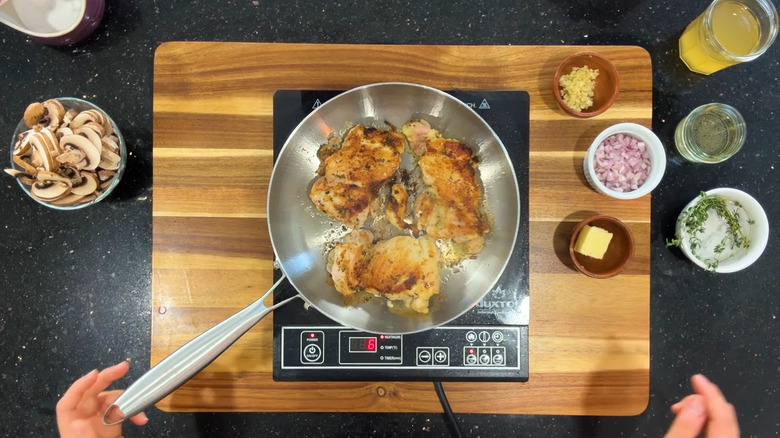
pixel 487 343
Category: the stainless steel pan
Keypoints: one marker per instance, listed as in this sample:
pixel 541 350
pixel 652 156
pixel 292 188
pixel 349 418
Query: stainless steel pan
pixel 299 232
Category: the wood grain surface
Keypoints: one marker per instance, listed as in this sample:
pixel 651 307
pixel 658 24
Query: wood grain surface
pixel 589 339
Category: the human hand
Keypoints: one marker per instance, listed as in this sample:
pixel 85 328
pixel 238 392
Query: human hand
pixel 706 409
pixel 80 410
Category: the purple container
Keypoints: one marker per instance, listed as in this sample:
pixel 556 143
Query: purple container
pixel 90 14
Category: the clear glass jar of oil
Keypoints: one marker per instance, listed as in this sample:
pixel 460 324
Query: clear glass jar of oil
pixel 710 134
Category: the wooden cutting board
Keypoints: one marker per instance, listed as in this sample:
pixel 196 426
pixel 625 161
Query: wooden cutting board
pixel 589 339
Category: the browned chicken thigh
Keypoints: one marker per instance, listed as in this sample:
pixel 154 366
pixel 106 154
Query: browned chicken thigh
pixel 402 269
pixel 450 206
pixel 353 172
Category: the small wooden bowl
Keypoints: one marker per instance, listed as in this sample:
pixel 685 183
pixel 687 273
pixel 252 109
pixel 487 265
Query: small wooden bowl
pixel 607 83
pixel 619 251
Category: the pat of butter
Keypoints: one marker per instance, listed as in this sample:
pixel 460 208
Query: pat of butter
pixel 593 242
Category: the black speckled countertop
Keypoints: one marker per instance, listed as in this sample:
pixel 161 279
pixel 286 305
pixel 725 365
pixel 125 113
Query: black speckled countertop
pixel 76 285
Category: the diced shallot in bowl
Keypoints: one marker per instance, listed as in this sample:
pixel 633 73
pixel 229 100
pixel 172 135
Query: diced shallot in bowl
pixel 625 161
pixel 622 162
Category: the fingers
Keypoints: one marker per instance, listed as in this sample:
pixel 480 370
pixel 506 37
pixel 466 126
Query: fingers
pixel 678 406
pixel 139 419
pixel 70 400
pixel 722 416
pixel 691 416
pixel 108 397
pixel 108 376
pixel 702 385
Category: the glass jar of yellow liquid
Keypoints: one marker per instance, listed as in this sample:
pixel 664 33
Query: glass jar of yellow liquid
pixel 728 32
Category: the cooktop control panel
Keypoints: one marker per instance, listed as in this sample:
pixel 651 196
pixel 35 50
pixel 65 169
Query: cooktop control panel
pixel 444 353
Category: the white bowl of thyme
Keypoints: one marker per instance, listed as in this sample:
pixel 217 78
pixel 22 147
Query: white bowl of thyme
pixel 722 230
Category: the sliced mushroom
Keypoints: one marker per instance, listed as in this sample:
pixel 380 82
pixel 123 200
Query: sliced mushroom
pixel 46 176
pixel 73 199
pixel 35 159
pixel 72 157
pixel 109 160
pixel 102 119
pixel 22 145
pixel 27 167
pixel 80 119
pixel 63 131
pixel 48 114
pixel 50 187
pixel 70 199
pixel 52 142
pixel 38 143
pixel 106 178
pixel 69 115
pixel 91 153
pixel 55 112
pixel 98 128
pixel 88 132
pixel 21 176
pixel 70 172
pixel 33 114
pixel 107 126
pixel 87 186
pixel 87 116
pixel 105 175
pixel 110 144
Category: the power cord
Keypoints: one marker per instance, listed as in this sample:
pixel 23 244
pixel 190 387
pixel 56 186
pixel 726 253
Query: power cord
pixel 449 417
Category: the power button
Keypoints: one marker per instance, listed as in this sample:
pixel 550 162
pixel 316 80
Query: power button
pixel 312 347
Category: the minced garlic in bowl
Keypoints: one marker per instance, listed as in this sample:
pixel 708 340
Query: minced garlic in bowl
pixel 578 87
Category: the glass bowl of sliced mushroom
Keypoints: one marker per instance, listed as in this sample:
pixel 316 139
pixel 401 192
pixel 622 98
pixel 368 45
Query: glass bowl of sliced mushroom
pixel 67 153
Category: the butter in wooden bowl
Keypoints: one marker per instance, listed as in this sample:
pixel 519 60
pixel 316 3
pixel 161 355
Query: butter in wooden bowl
pixel 593 242
pixel 601 246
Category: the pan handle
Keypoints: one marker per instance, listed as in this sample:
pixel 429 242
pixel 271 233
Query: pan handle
pixel 181 365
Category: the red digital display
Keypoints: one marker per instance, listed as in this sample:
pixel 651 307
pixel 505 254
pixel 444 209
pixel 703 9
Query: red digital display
pixel 362 345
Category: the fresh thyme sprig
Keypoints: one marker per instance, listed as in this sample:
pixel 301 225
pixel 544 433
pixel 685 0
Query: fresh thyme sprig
pixel 694 218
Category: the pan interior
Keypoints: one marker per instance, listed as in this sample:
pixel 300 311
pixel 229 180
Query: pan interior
pixel 300 233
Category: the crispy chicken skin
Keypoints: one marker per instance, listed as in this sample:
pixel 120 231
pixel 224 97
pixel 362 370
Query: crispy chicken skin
pixel 397 206
pixel 450 207
pixel 353 174
pixel 346 202
pixel 347 260
pixel 403 268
